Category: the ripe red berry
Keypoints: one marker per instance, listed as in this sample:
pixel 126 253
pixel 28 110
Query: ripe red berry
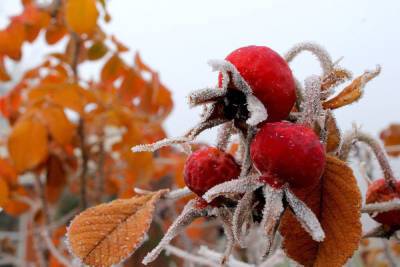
pixel 269 76
pixel 288 153
pixel 208 167
pixel 380 191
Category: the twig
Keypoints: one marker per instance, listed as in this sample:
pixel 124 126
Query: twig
pixel 85 159
pixel 382 206
pixel 54 251
pixel 190 257
pixel 215 256
pixel 388 254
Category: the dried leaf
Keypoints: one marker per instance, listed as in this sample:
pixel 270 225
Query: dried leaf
pixel 334 78
pixel 4 192
pixel 391 138
pixel 333 132
pixel 108 233
pixel 81 15
pixel 337 202
pixel 352 92
pixel 27 144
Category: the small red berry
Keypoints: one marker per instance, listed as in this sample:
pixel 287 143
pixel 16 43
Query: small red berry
pixel 288 153
pixel 380 191
pixel 208 167
pixel 269 76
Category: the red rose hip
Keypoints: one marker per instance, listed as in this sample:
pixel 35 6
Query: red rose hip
pixel 288 153
pixel 269 76
pixel 380 191
pixel 208 167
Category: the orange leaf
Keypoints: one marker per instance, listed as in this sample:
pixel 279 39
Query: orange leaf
pixel 352 92
pixel 3 72
pixel 11 39
pixel 7 172
pixel 337 202
pixel 97 51
pixel 56 178
pixel 60 128
pixel 132 85
pixel 113 69
pixel 16 207
pixel 4 192
pixel 120 46
pixel 108 233
pixel 55 32
pixel 391 138
pixel 81 15
pixel 140 65
pixel 27 144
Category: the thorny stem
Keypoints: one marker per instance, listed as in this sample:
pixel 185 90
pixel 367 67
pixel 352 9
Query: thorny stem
pixel 379 152
pixel 85 160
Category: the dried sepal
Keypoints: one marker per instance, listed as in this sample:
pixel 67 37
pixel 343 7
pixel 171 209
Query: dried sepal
pixel 272 212
pixel 224 135
pixel 233 187
pixel 225 215
pixel 317 50
pixel 204 96
pixel 305 216
pixel 242 218
pixel 189 213
pixel 352 92
pixel 311 108
pixel 334 78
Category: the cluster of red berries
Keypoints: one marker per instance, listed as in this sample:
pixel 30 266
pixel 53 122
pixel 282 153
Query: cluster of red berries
pixel 283 152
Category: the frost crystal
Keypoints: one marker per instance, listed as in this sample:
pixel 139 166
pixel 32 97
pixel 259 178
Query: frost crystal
pixel 271 214
pixel 236 186
pixel 317 50
pixel 189 213
pixel 305 216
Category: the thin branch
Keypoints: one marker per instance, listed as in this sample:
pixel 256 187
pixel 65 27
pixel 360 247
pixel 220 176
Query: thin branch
pixel 190 257
pixel 53 250
pixel 85 161
pixel 382 206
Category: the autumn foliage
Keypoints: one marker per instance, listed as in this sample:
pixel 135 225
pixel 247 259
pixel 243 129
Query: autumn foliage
pixel 73 190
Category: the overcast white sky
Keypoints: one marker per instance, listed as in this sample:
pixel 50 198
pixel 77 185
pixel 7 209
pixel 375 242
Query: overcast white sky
pixel 178 37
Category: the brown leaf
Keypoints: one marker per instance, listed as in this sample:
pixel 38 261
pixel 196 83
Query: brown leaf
pixel 334 136
pixel 27 144
pixel 56 178
pixel 352 92
pixel 108 233
pixel 81 15
pixel 337 202
pixel 391 138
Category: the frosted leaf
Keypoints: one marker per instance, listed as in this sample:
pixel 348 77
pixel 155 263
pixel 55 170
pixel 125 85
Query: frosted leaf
pixel 189 213
pixel 206 95
pixel 317 50
pixel 242 218
pixel 257 111
pixel 272 212
pixel 311 108
pixel 236 186
pixel 305 216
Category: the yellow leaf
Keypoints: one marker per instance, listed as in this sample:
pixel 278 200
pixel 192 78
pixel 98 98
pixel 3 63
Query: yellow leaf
pixel 352 92
pixel 81 15
pixel 337 202
pixel 4 192
pixel 27 144
pixel 60 128
pixel 108 233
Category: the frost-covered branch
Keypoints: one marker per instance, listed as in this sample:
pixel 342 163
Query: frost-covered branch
pixel 382 206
